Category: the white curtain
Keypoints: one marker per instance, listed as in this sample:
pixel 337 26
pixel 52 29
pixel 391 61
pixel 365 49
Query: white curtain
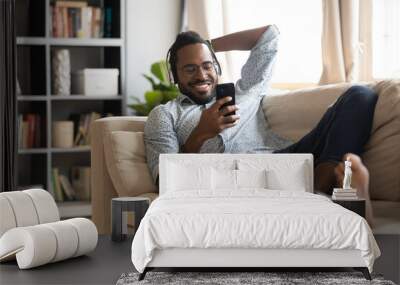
pixel 346 36
pixel 346 41
pixel 207 18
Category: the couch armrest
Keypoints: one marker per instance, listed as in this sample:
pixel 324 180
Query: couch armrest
pixel 101 185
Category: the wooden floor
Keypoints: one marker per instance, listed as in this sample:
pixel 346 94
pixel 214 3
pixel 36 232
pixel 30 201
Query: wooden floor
pixel 111 259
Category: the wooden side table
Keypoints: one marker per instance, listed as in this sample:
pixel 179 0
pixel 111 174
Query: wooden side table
pixel 119 207
pixel 357 206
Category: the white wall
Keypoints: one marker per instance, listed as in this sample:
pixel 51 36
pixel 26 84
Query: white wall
pixel 151 28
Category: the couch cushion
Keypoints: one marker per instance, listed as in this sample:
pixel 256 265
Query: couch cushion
pixel 382 152
pixel 126 163
pixel 295 113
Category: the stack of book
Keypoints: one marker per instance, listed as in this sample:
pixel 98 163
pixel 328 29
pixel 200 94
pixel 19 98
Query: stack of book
pixel 344 194
pixel 29 130
pixel 76 188
pixel 80 176
pixel 82 123
pixel 75 19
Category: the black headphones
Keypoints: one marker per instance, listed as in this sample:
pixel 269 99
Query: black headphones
pixel 172 74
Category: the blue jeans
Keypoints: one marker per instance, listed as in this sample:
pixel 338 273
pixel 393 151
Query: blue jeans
pixel 345 127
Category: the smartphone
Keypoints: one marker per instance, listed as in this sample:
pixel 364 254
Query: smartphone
pixel 224 90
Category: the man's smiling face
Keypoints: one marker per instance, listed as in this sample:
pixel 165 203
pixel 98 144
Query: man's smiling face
pixel 196 72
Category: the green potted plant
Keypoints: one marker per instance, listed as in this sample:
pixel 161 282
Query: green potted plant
pixel 163 90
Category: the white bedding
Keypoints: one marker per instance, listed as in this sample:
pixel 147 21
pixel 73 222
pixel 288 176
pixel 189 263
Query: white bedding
pixel 252 218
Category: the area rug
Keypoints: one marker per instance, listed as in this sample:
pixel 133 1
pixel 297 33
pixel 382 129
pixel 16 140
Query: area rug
pixel 229 278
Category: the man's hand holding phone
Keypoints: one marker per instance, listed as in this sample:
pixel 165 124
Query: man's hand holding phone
pixel 220 116
pixel 217 118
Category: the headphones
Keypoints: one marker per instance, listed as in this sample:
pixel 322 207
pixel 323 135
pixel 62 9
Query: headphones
pixel 172 74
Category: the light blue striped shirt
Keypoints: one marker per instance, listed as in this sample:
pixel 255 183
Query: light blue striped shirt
pixel 168 126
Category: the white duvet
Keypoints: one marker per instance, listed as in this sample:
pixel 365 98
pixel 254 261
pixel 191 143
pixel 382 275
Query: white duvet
pixel 252 218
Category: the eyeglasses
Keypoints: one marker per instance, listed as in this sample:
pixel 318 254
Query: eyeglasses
pixel 192 69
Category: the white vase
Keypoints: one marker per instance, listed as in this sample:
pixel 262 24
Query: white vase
pixel 61 72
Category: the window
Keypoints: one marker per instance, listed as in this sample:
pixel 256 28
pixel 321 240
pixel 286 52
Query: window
pixel 386 39
pixel 300 23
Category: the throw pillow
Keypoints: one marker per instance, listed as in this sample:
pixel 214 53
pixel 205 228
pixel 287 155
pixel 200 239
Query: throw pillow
pixel 126 163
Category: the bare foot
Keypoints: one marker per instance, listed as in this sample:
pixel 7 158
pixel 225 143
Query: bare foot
pixel 359 181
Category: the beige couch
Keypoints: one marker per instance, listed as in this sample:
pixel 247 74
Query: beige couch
pixel 119 165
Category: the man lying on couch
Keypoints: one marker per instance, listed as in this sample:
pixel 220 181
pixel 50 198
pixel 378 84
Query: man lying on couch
pixel 195 123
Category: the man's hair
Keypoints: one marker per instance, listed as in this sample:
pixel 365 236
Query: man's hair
pixel 184 39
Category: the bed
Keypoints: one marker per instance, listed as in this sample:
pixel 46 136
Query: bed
pixel 247 210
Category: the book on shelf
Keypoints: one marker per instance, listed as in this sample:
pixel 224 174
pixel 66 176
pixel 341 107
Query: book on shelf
pixel 80 176
pixel 82 125
pixel 24 134
pixel 344 194
pixel 107 22
pixel 69 191
pixel 345 198
pixel 76 19
pixel 62 185
pixel 29 130
pixel 340 190
pixel 86 23
pixel 55 178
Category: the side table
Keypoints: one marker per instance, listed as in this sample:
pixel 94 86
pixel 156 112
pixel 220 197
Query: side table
pixel 119 207
pixel 357 205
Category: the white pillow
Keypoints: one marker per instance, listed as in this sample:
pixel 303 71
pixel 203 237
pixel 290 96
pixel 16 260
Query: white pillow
pixel 226 179
pixel 293 180
pixel 223 179
pixel 251 178
pixel 284 174
pixel 188 177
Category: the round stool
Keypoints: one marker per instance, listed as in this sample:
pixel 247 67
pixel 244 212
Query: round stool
pixel 119 208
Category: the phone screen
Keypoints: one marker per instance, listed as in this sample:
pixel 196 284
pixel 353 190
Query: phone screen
pixel 224 90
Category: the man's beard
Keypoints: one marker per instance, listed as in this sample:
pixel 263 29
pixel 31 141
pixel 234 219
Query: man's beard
pixel 199 101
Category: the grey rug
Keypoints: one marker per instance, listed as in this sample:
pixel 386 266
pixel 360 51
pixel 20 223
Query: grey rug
pixel 225 278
